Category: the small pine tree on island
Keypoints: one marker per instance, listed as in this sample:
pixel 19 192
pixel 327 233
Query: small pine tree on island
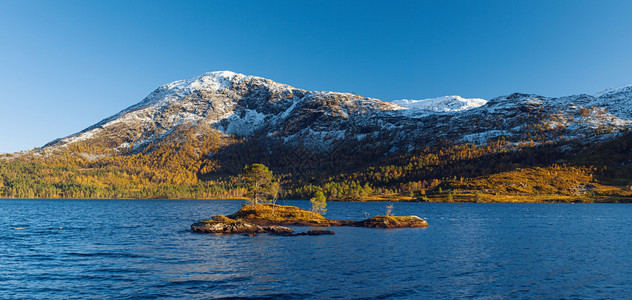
pixel 262 186
pixel 319 202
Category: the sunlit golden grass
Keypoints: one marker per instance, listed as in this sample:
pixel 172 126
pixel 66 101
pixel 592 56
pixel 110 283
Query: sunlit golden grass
pixel 220 219
pixel 550 184
pixel 276 213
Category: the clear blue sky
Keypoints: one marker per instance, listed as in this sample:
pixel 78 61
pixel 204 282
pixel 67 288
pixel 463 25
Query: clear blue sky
pixel 65 65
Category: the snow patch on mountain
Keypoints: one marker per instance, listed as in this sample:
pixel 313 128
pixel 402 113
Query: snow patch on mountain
pixel 250 106
pixel 482 137
pixel 246 123
pixel 617 100
pixel 615 90
pixel 442 104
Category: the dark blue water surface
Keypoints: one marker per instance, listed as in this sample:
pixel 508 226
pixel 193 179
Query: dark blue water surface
pixel 143 249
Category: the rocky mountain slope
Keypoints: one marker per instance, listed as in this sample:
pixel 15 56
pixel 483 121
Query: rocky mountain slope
pixel 233 104
pixel 253 107
pixel 192 138
pixel 442 104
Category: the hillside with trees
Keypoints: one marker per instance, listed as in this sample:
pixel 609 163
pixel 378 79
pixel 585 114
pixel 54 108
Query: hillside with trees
pixel 497 171
pixel 193 138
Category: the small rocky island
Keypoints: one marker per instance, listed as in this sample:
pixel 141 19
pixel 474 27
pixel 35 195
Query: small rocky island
pixel 271 218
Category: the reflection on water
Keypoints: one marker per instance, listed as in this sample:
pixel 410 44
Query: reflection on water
pixel 142 249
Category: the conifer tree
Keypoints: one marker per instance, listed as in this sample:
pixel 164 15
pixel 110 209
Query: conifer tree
pixel 261 183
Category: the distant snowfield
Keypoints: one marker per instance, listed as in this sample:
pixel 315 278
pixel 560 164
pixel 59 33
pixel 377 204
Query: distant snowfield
pixel 442 104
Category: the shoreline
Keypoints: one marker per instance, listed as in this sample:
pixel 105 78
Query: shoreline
pixel 430 199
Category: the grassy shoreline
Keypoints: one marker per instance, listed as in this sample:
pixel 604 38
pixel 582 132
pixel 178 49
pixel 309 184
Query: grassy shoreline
pixel 458 198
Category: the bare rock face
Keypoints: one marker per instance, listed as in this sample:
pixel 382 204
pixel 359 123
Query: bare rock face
pixel 226 228
pixel 236 228
pixel 277 229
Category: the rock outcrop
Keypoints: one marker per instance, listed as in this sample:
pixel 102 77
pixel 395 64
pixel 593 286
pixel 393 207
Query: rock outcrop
pixel 270 214
pixel 320 232
pixel 268 218
pixel 224 225
pixel 392 222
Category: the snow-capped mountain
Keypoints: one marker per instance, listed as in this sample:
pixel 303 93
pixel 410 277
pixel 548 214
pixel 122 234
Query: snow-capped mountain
pixel 234 104
pixel 253 107
pixel 616 100
pixel 442 104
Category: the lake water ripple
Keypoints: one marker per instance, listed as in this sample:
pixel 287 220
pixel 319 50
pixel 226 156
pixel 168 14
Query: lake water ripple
pixel 77 249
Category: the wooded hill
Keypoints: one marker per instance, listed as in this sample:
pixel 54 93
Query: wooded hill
pixel 192 138
pixel 205 165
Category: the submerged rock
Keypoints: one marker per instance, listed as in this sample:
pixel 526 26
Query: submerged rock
pixel 320 232
pixel 311 232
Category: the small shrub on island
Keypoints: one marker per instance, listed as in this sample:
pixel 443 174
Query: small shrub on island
pixel 319 202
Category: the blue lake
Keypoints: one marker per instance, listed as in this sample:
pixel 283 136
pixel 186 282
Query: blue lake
pixel 143 249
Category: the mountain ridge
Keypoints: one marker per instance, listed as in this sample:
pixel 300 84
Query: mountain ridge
pixel 192 138
pixel 241 105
